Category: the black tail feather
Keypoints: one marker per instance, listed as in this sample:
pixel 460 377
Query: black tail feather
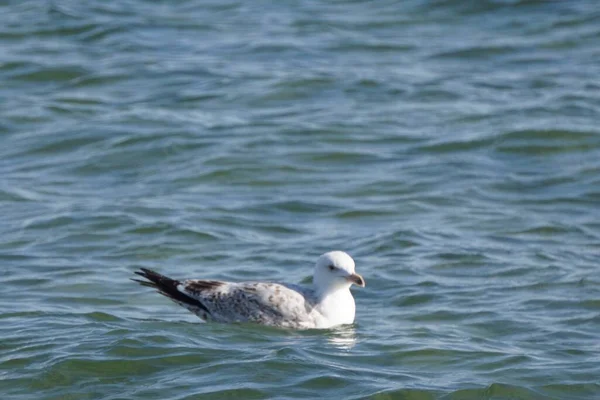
pixel 167 287
pixel 144 283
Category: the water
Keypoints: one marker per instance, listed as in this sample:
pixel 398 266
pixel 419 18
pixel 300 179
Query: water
pixel 452 147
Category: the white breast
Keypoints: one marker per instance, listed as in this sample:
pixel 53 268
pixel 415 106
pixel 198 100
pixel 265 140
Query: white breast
pixel 336 309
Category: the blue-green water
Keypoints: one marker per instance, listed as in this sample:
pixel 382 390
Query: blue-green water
pixel 452 147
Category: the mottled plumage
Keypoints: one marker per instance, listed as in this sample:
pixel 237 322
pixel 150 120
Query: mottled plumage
pixel 328 303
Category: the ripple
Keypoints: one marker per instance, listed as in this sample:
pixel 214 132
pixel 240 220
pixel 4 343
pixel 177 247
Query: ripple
pixel 55 74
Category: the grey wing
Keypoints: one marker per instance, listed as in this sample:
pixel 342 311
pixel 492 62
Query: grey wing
pixel 260 302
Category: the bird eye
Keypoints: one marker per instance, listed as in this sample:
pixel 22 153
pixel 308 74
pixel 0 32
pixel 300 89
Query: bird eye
pixel 331 267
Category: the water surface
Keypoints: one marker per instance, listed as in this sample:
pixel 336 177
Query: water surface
pixel 451 147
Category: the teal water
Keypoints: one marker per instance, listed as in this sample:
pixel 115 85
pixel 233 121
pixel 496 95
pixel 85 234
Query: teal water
pixel 451 147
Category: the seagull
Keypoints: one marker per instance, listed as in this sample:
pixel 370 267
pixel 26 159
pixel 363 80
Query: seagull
pixel 325 304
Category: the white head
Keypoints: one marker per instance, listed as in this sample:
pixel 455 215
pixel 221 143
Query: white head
pixel 334 271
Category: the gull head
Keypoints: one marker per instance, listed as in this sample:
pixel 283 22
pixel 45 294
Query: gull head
pixel 334 271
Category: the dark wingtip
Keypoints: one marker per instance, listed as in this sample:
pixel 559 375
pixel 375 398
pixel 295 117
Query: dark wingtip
pixel 144 283
pixel 147 271
pixel 154 279
pixel 152 275
pixel 167 287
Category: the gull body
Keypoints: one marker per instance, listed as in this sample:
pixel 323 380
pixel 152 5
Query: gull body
pixel 325 304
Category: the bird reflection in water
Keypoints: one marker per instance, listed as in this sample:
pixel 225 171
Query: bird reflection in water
pixel 342 337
